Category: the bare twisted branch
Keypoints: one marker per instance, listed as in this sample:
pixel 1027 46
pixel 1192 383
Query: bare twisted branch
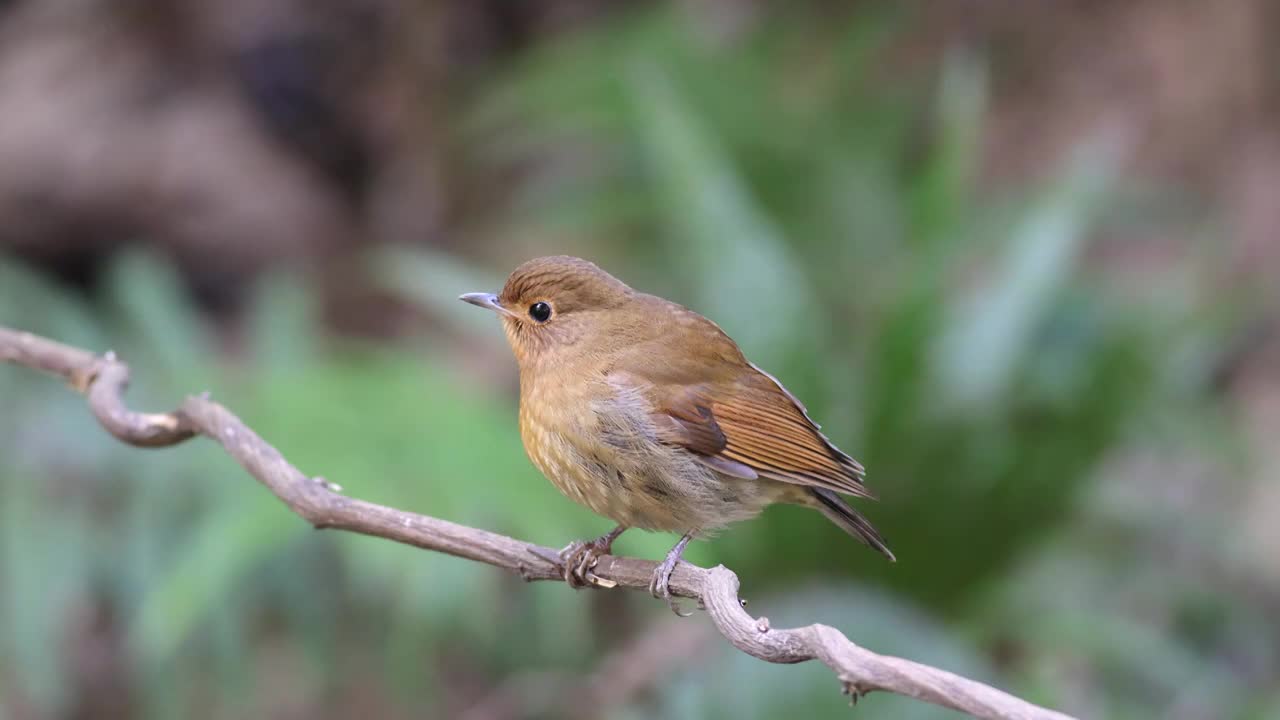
pixel 104 378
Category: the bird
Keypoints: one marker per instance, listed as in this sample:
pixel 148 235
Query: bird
pixel 648 414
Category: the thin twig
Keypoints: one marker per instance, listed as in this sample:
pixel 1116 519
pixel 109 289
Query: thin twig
pixel 103 380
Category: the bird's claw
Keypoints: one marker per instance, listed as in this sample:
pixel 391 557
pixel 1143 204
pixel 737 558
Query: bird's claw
pixel 660 587
pixel 578 557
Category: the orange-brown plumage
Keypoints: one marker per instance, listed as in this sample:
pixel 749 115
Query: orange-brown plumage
pixel 648 413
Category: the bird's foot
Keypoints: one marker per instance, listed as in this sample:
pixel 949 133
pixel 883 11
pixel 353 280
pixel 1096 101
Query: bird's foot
pixel 660 585
pixel 579 556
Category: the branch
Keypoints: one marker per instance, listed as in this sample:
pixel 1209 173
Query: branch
pixel 103 380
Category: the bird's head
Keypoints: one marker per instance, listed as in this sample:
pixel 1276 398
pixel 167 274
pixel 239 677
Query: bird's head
pixel 551 304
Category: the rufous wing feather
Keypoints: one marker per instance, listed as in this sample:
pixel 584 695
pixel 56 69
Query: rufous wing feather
pixel 754 427
pixel 685 419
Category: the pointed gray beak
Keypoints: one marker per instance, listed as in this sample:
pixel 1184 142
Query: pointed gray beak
pixel 488 301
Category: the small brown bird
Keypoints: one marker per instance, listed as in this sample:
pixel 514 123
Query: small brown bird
pixel 647 413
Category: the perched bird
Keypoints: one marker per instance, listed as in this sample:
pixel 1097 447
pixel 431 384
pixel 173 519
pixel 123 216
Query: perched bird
pixel 649 414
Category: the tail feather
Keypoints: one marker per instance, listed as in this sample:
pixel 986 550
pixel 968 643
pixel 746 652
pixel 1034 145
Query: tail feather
pixel 851 521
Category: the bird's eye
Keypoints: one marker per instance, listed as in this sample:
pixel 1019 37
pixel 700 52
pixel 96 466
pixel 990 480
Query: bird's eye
pixel 540 312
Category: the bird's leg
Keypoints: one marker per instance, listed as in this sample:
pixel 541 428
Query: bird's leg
pixel 662 575
pixel 580 556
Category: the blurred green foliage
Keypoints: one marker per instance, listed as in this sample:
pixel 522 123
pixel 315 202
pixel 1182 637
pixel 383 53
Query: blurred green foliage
pixel 953 340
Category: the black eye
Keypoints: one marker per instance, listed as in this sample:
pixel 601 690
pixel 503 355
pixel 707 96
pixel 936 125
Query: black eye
pixel 540 311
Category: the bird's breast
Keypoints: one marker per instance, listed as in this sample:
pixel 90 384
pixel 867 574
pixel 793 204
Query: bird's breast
pixel 597 444
pixel 549 428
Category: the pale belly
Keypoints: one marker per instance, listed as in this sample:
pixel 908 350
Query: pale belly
pixel 609 461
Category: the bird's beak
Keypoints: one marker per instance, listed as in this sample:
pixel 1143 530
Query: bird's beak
pixel 488 301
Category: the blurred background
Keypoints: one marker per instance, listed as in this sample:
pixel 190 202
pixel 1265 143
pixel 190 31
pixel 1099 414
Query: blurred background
pixel 1019 258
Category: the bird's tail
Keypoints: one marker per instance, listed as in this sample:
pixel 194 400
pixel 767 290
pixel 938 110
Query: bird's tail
pixel 851 521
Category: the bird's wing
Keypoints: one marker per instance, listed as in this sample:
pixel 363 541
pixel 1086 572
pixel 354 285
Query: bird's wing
pixel 749 427
pixel 731 414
